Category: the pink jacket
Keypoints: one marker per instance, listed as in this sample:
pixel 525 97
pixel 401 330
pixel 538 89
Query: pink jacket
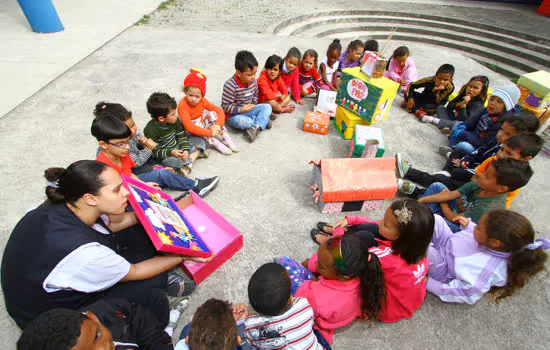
pixel 395 72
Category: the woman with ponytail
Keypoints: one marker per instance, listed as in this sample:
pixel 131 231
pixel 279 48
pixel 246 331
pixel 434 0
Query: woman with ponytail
pixel 65 253
pixel 498 255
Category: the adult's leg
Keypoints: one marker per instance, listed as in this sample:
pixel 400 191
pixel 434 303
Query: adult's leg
pixel 169 180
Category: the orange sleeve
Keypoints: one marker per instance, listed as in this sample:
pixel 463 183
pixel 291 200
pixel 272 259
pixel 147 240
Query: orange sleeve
pixel 510 197
pixel 188 124
pixel 282 86
pixel 219 111
pixel 265 88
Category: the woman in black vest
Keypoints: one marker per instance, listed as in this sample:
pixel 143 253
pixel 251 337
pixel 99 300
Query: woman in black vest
pixel 65 253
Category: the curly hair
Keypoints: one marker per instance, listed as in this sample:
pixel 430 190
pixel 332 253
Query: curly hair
pixel 213 327
pixel 57 329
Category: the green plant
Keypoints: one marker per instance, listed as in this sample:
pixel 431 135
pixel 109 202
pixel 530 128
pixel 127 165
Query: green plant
pixel 144 20
pixel 164 5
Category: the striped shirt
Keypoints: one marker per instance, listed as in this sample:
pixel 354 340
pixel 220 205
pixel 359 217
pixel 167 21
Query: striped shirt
pixel 167 136
pixel 291 330
pixel 236 94
pixel 139 153
pixel 313 77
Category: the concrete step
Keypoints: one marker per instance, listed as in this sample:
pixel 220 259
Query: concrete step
pixel 314 26
pixel 286 27
pixel 511 66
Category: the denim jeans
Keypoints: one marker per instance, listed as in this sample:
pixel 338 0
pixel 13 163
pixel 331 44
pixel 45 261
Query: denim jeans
pixel 457 143
pixel 174 162
pixel 259 115
pixel 435 188
pixel 167 179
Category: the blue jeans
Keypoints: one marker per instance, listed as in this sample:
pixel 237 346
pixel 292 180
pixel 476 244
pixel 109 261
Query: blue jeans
pixel 167 179
pixel 435 188
pixel 259 115
pixel 456 141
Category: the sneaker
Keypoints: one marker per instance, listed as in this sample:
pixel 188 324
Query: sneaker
pixel 402 166
pixel 273 116
pixel 445 151
pixel 205 186
pixel 179 286
pixel 269 125
pixel 181 195
pixel 185 171
pixel 177 307
pixel 404 104
pixel 252 132
pixel 203 154
pixel 445 130
pixel 419 114
pixel 405 187
pixel 443 172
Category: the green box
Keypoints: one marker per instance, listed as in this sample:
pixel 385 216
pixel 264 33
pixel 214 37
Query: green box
pixel 361 135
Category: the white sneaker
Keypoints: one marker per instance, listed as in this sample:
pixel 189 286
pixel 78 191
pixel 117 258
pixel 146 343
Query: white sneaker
pixel 443 172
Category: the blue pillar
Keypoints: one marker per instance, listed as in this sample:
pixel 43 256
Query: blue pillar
pixel 41 15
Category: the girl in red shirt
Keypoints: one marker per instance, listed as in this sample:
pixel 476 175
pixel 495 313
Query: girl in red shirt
pixel 310 80
pixel 290 73
pixel 272 88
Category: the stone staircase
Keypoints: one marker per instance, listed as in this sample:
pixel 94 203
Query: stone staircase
pixel 509 52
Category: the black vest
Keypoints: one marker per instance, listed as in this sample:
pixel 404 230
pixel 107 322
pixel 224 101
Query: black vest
pixel 40 240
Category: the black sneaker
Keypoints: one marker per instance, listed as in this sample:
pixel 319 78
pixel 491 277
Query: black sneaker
pixel 181 195
pixel 252 132
pixel 205 186
pixel 273 116
pixel 179 286
pixel 269 125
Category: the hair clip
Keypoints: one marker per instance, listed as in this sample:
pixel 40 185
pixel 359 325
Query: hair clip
pixel 336 249
pixel 53 184
pixel 404 215
pixel 541 243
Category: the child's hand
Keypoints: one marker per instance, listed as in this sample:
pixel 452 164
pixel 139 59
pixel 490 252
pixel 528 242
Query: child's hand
pixel 466 99
pixel 459 219
pixel 199 260
pixel 240 312
pixel 154 184
pixel 305 263
pixel 300 102
pixel 465 165
pixel 215 129
pixel 457 162
pixel 410 104
pixel 247 108
pixel 185 155
pixel 402 82
pixel 343 223
pixel 176 153
pixel 149 143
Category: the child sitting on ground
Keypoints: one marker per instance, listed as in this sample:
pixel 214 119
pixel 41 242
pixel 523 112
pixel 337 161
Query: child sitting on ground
pixel 309 78
pixel 459 171
pixel 114 138
pixel 213 327
pixel 329 65
pixel 174 148
pixel 401 68
pixel 480 131
pixel 475 198
pixel 349 59
pixel 291 74
pixel 469 103
pixel 272 88
pixel 523 146
pixel 202 118
pixel 399 241
pixel 499 255
pixel 436 92
pixel 240 98
pixel 97 326
pixel 371 46
pixel 283 321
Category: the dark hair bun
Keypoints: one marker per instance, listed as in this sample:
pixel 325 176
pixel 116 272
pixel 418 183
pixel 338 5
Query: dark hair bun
pixel 336 41
pixel 99 108
pixel 53 174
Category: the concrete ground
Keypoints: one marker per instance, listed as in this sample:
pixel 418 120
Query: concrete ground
pixel 264 189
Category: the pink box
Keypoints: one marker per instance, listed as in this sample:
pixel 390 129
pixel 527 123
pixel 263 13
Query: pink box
pixel 223 239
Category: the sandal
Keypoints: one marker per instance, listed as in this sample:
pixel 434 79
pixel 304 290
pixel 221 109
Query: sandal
pixel 321 226
pixel 314 233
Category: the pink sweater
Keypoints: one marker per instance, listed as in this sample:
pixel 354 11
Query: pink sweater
pixel 396 72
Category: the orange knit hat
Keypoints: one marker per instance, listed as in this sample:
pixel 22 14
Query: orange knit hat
pixel 196 78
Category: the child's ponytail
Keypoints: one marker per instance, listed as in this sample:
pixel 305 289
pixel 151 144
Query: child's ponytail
pixel 359 262
pixel 517 236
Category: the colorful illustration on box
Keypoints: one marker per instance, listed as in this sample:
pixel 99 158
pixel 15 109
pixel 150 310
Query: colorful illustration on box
pixel 170 225
pixel 358 96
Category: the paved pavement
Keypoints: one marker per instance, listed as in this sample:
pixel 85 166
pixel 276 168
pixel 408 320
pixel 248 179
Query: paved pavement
pixel 264 189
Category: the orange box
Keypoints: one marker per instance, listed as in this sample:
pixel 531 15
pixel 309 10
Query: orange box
pixel 541 113
pixel 316 122
pixel 357 179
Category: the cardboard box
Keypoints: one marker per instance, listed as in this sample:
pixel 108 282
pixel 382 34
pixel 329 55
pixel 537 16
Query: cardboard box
pixel 346 121
pixel 170 230
pixel 541 113
pixel 361 136
pixel 316 122
pixel 538 83
pixel 370 99
pixel 223 238
pixel 326 102
pixel 357 179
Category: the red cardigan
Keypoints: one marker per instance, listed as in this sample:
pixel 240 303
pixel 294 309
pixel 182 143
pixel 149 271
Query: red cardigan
pixel 268 89
pixel 291 80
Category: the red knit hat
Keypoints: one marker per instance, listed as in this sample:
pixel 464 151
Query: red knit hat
pixel 196 78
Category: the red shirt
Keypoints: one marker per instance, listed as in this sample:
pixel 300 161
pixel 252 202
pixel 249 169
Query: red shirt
pixel 125 169
pixel 292 83
pixel 268 88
